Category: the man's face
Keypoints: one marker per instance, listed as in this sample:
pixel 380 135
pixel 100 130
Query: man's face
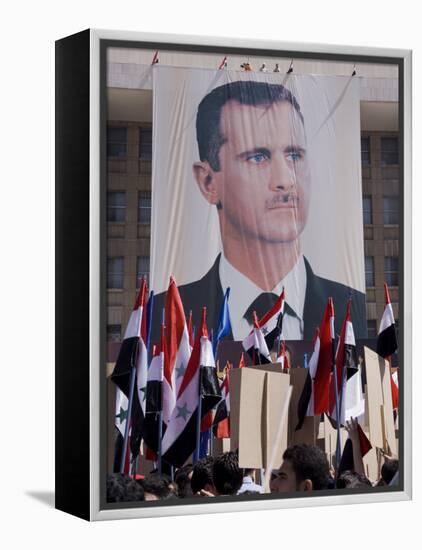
pixel 263 184
pixel 286 480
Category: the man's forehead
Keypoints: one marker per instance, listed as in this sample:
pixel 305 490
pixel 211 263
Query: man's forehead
pixel 243 124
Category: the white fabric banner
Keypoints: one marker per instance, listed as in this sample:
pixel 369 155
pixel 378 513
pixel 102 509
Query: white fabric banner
pixel 275 185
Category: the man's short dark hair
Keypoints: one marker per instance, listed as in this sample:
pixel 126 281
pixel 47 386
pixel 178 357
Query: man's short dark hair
pixel 182 480
pixel 352 480
pixel 122 488
pixel 227 475
pixel 157 485
pixel 202 474
pixel 389 469
pixel 309 462
pixel 249 92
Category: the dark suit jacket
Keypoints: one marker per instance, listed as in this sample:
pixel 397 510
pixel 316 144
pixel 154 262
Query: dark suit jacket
pixel 208 292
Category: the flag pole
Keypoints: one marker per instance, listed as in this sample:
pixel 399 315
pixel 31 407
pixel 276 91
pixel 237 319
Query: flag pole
pixel 198 420
pixel 160 414
pixel 338 443
pixel 129 416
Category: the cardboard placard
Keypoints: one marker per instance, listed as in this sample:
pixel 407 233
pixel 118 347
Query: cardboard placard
pixel 257 395
pixel 379 403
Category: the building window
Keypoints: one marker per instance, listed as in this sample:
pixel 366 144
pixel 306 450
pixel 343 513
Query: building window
pixel 391 270
pixel 145 143
pixel 116 206
pixel 391 210
pixel 144 207
pixel 369 271
pixel 114 333
pixel 116 142
pixel 142 269
pixel 389 150
pixel 115 272
pixel 367 210
pixel 371 326
pixel 365 152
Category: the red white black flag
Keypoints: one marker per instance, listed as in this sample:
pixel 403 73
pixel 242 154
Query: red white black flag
pixel 199 382
pixel 177 347
pixel 154 403
pixel 325 361
pixel 305 406
pixel 387 338
pixel 222 415
pixel 132 355
pixel 349 384
pixel 270 325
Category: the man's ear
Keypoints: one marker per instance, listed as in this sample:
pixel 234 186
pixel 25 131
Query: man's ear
pixel 206 180
pixel 307 485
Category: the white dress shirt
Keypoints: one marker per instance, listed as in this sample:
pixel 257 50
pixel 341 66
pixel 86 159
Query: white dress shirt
pixel 243 292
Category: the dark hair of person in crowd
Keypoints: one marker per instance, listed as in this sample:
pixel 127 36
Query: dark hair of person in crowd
pixel 157 487
pixel 202 478
pixel 389 469
pixel 122 488
pixel 352 480
pixel 248 492
pixel 182 478
pixel 309 463
pixel 227 475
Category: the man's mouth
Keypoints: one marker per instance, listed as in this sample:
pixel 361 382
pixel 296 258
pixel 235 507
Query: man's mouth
pixel 283 200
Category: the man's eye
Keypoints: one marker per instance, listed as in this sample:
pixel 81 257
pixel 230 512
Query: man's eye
pixel 257 158
pixel 294 156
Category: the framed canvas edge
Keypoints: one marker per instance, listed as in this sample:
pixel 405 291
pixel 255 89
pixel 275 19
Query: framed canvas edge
pixel 96 513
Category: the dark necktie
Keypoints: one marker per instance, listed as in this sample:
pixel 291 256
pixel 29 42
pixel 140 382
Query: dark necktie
pixel 263 303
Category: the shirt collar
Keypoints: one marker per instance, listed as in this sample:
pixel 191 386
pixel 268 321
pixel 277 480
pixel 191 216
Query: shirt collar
pixel 243 291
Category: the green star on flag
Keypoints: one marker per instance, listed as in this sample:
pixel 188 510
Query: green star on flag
pixel 183 412
pixel 122 416
pixel 144 391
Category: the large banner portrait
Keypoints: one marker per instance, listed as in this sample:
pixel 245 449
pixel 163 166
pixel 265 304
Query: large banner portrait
pixel 256 187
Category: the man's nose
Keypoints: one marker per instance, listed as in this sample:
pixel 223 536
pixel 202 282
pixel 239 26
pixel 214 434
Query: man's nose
pixel 283 176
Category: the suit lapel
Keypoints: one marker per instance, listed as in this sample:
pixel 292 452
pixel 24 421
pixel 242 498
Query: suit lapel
pixel 314 303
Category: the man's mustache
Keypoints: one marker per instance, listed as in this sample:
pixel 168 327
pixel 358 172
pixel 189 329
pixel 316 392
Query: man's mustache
pixel 282 198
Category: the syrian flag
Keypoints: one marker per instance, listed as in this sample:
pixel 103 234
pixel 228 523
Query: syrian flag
pixel 242 363
pixel 190 330
pixel 222 415
pixel 122 406
pixel 132 355
pixel 349 384
pixel 395 390
pixel 270 325
pixel 305 406
pixel 282 357
pixel 258 349
pixel 200 381
pixel 178 349
pixel 325 361
pixel 154 405
pixel 387 339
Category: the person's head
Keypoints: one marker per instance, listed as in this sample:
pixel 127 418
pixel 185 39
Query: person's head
pixel 352 480
pixel 157 487
pixel 389 470
pixel 304 468
pixel 183 478
pixel 202 476
pixel 253 160
pixel 122 488
pixel 227 475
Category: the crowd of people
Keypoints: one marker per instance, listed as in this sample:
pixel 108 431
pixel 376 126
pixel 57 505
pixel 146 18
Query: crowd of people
pixel 304 468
